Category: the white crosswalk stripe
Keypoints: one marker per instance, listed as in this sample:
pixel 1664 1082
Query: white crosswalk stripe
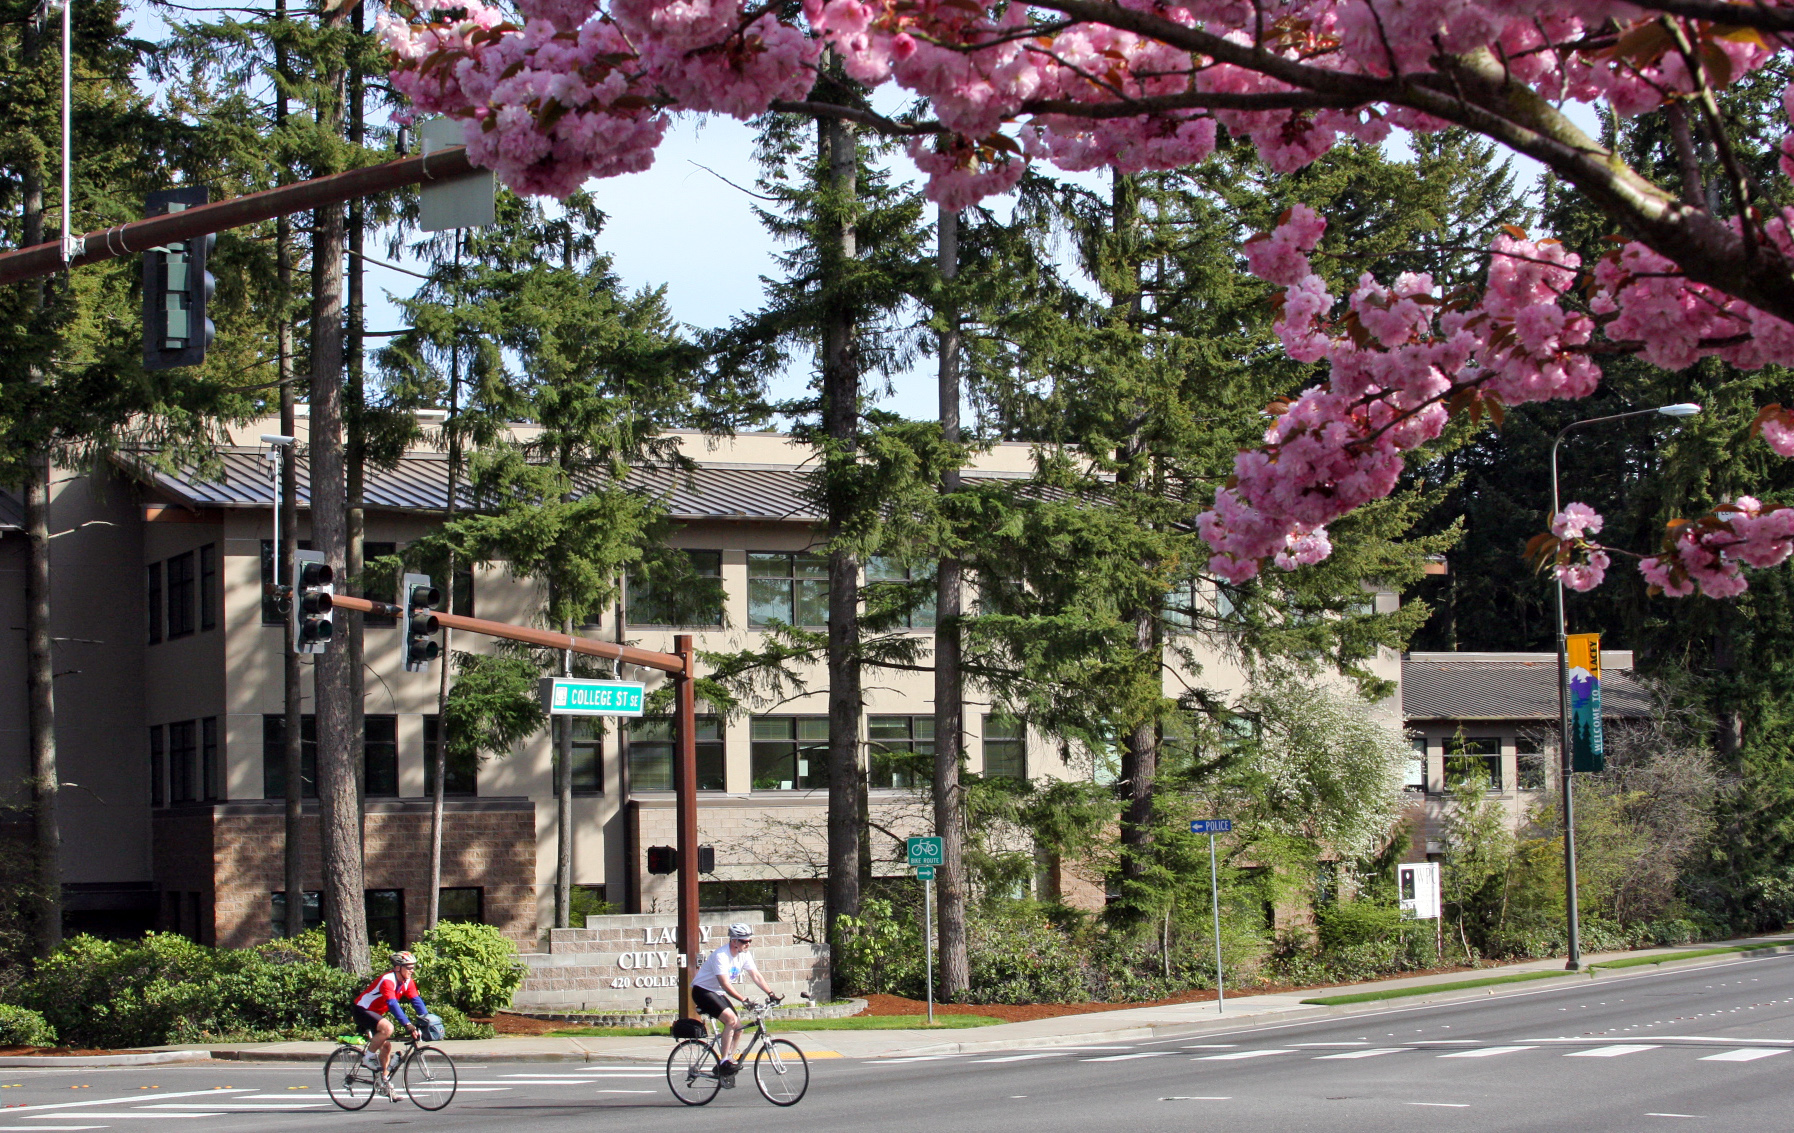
pixel 1486 1052
pixel 1019 1057
pixel 1747 1054
pixel 1372 1053
pixel 1126 1057
pixel 1614 1051
pixel 1239 1054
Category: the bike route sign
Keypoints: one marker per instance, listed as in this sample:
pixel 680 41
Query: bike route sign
pixel 927 851
pixel 572 696
pixel 924 873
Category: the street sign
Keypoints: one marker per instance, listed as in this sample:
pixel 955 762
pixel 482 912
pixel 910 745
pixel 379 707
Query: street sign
pixel 924 873
pixel 927 851
pixel 465 202
pixel 574 696
pixel 1211 825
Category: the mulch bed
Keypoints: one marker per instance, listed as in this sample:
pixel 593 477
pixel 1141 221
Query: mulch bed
pixel 55 1051
pixel 506 1023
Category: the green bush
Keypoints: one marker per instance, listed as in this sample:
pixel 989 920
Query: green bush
pixel 21 1026
pixel 456 1024
pixel 1350 924
pixel 473 967
pixel 1022 958
pixel 164 988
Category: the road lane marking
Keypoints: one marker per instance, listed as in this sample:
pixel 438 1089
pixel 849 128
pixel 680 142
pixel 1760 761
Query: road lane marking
pixel 1612 1051
pixel 629 1091
pixel 1238 1054
pixel 1126 1057
pixel 1372 1053
pixel 116 1116
pixel 1195 1099
pixel 10 1111
pixel 1485 1052
pixel 1360 1042
pixel 1745 1054
pixel 1445 1105
pixel 238 1108
pixel 1695 1115
pixel 1017 1057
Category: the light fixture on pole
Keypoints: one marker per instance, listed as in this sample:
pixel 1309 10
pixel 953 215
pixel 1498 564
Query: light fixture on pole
pixel 277 444
pixel 1565 767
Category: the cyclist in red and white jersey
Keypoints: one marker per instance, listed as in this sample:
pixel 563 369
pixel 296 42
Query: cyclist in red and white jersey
pixel 387 991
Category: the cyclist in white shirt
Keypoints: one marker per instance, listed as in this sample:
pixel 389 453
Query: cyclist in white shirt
pixel 714 986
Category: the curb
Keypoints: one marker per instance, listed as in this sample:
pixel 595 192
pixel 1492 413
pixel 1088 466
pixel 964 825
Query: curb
pixel 143 1058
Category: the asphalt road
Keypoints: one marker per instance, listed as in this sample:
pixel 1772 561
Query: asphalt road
pixel 1705 1048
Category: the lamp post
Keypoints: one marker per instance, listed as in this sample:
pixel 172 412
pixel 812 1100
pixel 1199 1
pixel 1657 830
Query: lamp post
pixel 1565 758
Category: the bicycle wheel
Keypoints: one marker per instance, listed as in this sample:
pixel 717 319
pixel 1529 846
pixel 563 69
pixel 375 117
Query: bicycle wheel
pixel 691 1072
pixel 781 1072
pixel 351 1084
pixel 430 1078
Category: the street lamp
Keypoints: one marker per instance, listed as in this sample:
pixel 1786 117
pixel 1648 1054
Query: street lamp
pixel 1564 757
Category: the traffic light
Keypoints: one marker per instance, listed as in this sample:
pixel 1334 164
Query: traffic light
pixel 662 859
pixel 706 859
pixel 177 289
pixel 313 614
pixel 421 625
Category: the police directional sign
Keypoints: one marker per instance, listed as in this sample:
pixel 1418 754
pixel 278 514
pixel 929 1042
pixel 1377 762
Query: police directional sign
pixel 1211 825
pixel 924 873
pixel 572 696
pixel 927 851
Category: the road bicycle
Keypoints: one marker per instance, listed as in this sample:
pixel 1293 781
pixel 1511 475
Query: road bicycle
pixel 780 1070
pixel 428 1073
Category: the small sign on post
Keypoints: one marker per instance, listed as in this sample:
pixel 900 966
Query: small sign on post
pixel 575 696
pixel 927 851
pixel 924 873
pixel 1212 827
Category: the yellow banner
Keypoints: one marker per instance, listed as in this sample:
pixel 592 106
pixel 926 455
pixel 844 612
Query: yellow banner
pixel 1585 653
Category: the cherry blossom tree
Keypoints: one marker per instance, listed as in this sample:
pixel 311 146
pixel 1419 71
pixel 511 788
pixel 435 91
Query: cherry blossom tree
pixel 573 89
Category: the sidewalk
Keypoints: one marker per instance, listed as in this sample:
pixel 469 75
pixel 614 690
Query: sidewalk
pixel 1066 1030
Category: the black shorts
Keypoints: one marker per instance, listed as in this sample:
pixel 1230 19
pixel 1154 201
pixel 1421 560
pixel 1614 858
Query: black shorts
pixel 709 1002
pixel 365 1021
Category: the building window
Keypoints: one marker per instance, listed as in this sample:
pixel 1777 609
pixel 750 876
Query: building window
pixel 274 757
pixel 1416 775
pixel 1005 748
pixel 180 595
pixel 1468 756
pixel 386 918
pixel 739 896
pixel 458 599
pixel 788 588
pixel 1530 767
pixel 588 753
pixel 651 753
pixel 183 748
pixel 211 774
pixel 1183 604
pixel 901 750
pixel 894 578
pixel 461 905
pixel 311 909
pixel 379 585
pixel 152 601
pixel 208 586
pixel 380 761
pixel 789 753
pixel 158 772
pixel 656 605
pixel 463 773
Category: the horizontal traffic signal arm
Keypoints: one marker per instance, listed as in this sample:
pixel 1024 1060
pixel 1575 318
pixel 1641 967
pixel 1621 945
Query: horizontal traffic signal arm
pixel 156 231
pixel 628 654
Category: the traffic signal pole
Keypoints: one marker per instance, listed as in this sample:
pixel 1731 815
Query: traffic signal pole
pixel 176 227
pixel 682 666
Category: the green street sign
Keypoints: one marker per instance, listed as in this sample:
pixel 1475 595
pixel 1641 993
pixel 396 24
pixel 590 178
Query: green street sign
pixel 573 696
pixel 927 851
pixel 924 873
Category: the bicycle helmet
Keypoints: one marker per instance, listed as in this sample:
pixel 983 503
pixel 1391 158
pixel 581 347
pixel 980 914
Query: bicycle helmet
pixel 403 958
pixel 739 931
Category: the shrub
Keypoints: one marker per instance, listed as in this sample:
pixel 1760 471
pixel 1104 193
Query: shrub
pixel 1349 924
pixel 21 1026
pixel 1021 957
pixel 473 967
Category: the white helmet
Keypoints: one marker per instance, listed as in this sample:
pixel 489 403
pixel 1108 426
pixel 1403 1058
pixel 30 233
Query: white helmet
pixel 739 931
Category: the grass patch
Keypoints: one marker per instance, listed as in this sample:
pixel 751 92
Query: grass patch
pixel 1428 989
pixel 1696 954
pixel 850 1023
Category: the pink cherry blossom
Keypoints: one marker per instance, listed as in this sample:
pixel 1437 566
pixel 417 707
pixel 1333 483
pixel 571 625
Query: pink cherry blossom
pixel 1577 521
pixel 1585 575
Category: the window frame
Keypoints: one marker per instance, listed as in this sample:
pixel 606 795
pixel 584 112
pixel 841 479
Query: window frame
pixel 180 592
pixel 713 763
pixel 479 904
pixel 592 784
pixel 387 591
pixel 882 570
pixel 158 761
pixel 211 771
pixel 183 760
pixel 993 720
pixel 308 755
pixel 432 730
pixel 818 778
pixel 912 744
pixel 368 742
pixel 1492 760
pixel 398 897
pixel 209 595
pixel 153 601
pixel 791 581
pixel 645 604
pixel 310 899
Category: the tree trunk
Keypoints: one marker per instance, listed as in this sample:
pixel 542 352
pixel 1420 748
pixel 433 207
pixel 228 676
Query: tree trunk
pixel 355 426
pixel 339 812
pixel 1139 773
pixel 840 410
pixel 949 693
pixel 40 696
